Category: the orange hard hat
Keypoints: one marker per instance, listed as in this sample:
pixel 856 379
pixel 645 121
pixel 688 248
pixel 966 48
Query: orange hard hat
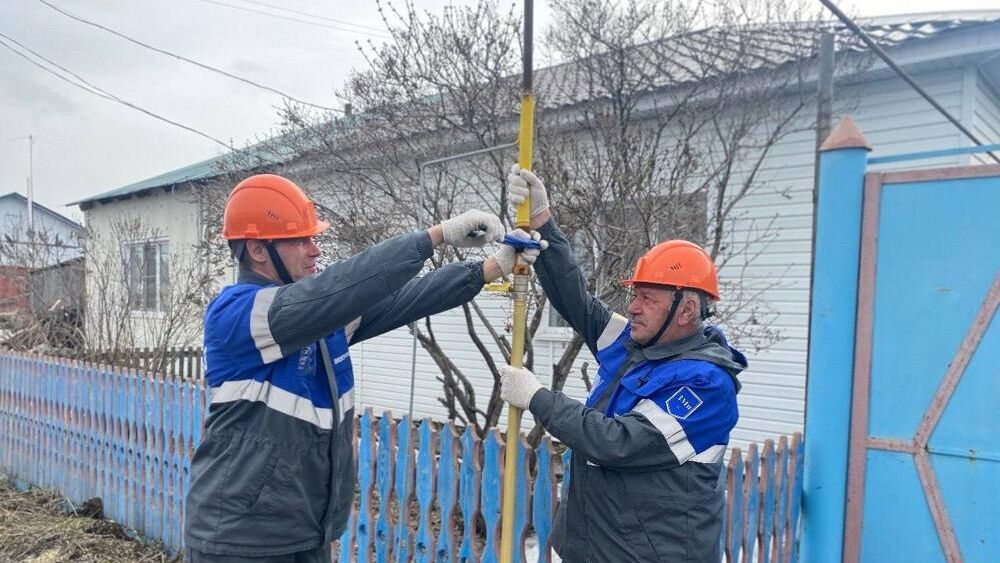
pixel 267 206
pixel 677 263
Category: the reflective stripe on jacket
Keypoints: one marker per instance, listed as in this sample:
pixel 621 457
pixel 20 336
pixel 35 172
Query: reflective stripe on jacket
pixel 275 472
pixel 647 447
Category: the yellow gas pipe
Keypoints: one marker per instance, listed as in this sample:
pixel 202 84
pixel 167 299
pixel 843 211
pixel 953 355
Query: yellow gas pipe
pixel 522 272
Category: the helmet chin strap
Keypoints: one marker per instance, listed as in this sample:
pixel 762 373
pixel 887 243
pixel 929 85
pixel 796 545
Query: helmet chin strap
pixel 678 295
pixel 279 266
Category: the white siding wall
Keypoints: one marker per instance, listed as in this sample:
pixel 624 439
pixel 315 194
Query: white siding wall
pixel 892 117
pixel 986 112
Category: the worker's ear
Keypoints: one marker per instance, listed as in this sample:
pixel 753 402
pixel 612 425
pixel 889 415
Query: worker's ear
pixel 256 253
pixel 690 309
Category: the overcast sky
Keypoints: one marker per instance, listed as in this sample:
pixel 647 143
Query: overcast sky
pixel 86 145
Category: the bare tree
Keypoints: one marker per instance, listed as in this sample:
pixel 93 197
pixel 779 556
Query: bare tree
pixel 145 298
pixel 655 125
pixel 660 116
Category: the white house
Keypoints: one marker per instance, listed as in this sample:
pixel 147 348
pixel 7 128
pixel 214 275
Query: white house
pixel 954 56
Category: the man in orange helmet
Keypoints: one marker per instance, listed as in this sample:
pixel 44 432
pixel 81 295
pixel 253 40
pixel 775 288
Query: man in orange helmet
pixel 649 441
pixel 273 477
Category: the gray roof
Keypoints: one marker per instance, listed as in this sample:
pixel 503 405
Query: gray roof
pixel 763 48
pixel 687 58
pixel 39 207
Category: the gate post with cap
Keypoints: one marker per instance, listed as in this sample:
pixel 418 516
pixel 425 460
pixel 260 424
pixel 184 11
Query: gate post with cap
pixel 832 318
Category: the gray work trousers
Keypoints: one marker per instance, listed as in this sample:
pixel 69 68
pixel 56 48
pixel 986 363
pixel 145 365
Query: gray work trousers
pixel 319 555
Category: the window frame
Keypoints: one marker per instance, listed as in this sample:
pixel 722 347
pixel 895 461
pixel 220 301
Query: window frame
pixel 137 296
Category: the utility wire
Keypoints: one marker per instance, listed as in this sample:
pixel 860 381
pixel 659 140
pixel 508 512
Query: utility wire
pixel 382 35
pixel 899 71
pixel 88 87
pixel 317 16
pixel 82 81
pixel 183 58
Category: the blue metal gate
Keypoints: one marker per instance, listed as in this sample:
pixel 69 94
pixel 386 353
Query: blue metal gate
pixel 922 479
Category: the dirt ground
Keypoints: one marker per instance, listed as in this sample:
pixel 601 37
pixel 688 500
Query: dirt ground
pixel 39 527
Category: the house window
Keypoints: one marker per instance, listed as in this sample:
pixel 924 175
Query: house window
pixel 149 275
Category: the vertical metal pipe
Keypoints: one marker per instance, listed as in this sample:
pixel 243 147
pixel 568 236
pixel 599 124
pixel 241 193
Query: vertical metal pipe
pixel 522 272
pixel 824 101
pixel 413 325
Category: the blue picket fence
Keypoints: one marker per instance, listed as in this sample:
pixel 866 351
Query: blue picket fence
pixel 88 430
pixel 427 492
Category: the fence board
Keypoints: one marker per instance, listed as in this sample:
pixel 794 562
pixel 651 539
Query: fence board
pixel 544 499
pixel 795 498
pixel 734 506
pixel 522 492
pixel 344 547
pixel 383 482
pixel 752 494
pixel 447 494
pixel 767 501
pixel 178 469
pixel 469 487
pixel 404 490
pixel 780 500
pixel 366 473
pixel 493 460
pixel 423 545
pixel 186 363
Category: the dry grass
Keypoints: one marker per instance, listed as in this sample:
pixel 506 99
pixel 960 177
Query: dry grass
pixel 35 528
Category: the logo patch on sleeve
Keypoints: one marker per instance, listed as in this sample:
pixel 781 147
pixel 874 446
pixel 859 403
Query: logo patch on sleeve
pixel 681 404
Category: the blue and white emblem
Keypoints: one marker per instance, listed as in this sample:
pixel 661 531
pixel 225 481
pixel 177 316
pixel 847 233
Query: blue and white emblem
pixel 307 360
pixel 681 404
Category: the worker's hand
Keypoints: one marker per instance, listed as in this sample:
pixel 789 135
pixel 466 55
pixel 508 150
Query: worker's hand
pixel 521 183
pixel 518 386
pixel 507 255
pixel 471 229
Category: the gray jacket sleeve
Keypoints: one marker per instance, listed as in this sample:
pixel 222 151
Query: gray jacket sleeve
pixel 566 288
pixel 626 443
pixel 437 291
pixel 313 307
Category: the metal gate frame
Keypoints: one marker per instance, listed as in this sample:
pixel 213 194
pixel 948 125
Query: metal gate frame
pixel 860 440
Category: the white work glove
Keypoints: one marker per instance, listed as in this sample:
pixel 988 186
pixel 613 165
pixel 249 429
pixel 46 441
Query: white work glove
pixel 473 228
pixel 518 386
pixel 522 182
pixel 507 255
